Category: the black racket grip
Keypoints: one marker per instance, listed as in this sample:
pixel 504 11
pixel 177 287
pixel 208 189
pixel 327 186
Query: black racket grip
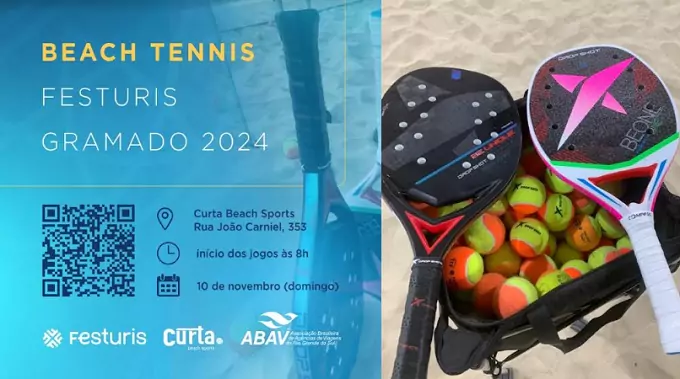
pixel 299 31
pixel 413 353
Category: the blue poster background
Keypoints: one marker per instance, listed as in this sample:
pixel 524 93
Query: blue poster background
pixel 212 97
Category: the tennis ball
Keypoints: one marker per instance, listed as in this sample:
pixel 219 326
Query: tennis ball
pixel 485 234
pixel 443 211
pixel 551 247
pixel 532 162
pixel 584 234
pixel 556 184
pixel 551 280
pixel 611 227
pixel 463 268
pixel 582 203
pixel 533 268
pixel 624 244
pixel 557 212
pixel 514 295
pixel 485 291
pixel 504 261
pixel 290 148
pixel 566 253
pixel 527 195
pixel 576 268
pixel 499 207
pixel 511 217
pixel 602 255
pixel 529 237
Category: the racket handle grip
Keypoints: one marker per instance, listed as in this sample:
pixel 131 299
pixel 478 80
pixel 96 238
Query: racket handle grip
pixel 415 339
pixel 657 277
pixel 299 32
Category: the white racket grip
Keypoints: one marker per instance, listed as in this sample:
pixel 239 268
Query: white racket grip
pixel 657 277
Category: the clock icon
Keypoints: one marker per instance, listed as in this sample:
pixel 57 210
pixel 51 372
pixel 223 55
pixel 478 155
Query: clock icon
pixel 168 253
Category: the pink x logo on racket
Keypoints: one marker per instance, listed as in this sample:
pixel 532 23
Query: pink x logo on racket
pixel 592 90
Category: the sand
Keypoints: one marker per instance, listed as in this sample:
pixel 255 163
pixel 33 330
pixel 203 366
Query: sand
pixel 507 39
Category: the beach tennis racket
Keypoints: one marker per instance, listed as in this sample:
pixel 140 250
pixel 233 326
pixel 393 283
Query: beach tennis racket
pixel 364 201
pixel 599 114
pixel 328 229
pixel 448 136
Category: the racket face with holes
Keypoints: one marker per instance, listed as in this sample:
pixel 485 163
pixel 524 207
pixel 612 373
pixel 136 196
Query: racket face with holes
pixel 448 135
pixel 598 114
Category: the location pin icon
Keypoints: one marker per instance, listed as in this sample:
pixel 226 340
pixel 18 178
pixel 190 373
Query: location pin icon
pixel 165 217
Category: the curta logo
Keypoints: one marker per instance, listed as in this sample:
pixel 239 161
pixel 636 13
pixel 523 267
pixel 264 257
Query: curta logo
pixel 195 338
pixel 274 321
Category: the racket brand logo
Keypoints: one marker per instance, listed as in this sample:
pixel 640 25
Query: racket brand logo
pixel 581 54
pixel 646 124
pixel 639 214
pixel 493 144
pixel 594 88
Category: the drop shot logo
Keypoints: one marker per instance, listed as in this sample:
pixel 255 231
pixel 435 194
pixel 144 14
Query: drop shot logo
pixel 194 339
pixel 276 335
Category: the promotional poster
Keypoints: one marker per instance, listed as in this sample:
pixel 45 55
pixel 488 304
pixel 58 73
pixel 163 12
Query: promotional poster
pixel 190 190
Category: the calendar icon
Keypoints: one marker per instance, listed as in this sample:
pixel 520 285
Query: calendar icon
pixel 167 286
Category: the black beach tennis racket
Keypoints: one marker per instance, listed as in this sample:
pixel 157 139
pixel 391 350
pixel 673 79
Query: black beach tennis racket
pixel 448 135
pixel 330 232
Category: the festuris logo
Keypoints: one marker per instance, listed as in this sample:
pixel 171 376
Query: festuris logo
pixel 594 88
pixel 195 338
pixel 52 338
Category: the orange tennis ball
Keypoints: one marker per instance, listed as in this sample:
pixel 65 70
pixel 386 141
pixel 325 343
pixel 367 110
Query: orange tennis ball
pixel 463 268
pixel 527 195
pixel 584 234
pixel 582 203
pixel 533 268
pixel 604 241
pixel 484 293
pixel 514 295
pixel 504 261
pixel 576 268
pixel 485 234
pixel 602 255
pixel 529 237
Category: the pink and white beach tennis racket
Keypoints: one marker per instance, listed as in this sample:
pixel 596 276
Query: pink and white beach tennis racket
pixel 599 114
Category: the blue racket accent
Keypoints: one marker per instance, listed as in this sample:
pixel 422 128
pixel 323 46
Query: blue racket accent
pixel 615 203
pixel 456 74
pixel 461 157
pixel 657 178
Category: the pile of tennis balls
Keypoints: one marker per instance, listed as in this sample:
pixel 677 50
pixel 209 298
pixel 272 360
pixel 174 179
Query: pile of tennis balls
pixel 541 234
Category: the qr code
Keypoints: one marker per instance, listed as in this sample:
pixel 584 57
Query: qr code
pixel 89 250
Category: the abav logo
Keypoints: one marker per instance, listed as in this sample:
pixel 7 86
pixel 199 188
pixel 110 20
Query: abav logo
pixel 195 338
pixel 274 321
pixel 53 338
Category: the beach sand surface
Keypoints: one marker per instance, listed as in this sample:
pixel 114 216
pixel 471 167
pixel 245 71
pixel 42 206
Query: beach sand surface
pixel 507 39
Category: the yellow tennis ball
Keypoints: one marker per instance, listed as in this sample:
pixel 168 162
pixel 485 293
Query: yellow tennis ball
pixel 504 261
pixel 485 234
pixel 556 184
pixel 557 212
pixel 529 237
pixel 463 268
pixel 566 253
pixel 576 268
pixel 584 234
pixel 551 247
pixel 527 195
pixel 443 211
pixel 623 243
pixel 602 255
pixel 611 227
pixel 582 203
pixel 499 207
pixel 514 295
pixel 551 280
